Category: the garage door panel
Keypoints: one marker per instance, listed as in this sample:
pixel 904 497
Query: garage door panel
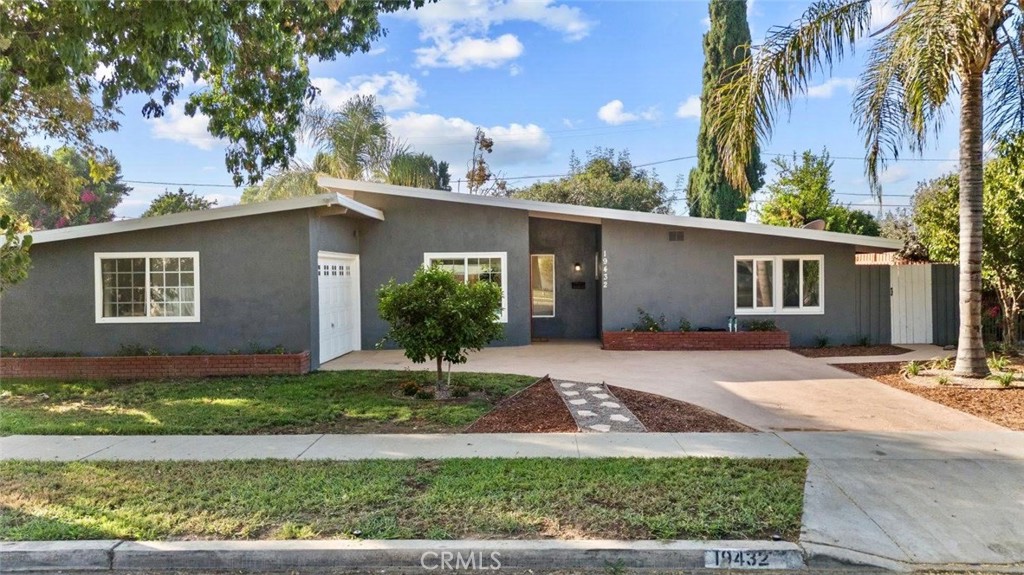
pixel 338 293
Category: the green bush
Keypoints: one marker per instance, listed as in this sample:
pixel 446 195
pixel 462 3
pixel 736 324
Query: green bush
pixel 647 322
pixel 436 316
pixel 760 325
pixel 684 325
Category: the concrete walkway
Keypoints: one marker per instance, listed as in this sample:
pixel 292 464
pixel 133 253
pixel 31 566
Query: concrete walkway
pixel 884 499
pixel 918 352
pixel 767 390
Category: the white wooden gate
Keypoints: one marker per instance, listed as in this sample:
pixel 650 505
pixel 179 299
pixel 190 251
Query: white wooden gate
pixel 911 289
pixel 338 282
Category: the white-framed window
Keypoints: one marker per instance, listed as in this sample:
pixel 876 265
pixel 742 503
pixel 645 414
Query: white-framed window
pixel 542 285
pixel 147 287
pixel 471 267
pixel 779 285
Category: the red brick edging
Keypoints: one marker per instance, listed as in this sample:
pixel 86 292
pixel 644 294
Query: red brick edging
pixel 694 340
pixel 154 367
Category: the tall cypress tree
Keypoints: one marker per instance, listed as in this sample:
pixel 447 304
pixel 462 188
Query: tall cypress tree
pixel 708 194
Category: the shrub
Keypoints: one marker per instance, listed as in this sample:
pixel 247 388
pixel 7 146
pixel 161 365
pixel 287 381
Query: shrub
pixel 943 380
pixel 998 362
pixel 424 393
pixel 912 368
pixel 864 341
pixel 197 350
pixel 1005 379
pixel 460 391
pixel 760 325
pixel 821 339
pixel 647 322
pixel 135 350
pixel 943 363
pixel 410 388
pixel 436 316
pixel 684 325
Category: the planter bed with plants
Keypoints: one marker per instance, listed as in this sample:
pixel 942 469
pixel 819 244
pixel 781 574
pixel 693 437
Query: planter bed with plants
pixel 136 362
pixel 999 399
pixel 651 333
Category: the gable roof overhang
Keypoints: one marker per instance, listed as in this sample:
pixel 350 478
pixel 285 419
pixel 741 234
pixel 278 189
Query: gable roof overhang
pixel 597 215
pixel 335 203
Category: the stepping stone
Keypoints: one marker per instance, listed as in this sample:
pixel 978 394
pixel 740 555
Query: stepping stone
pixel 601 427
pixel 586 413
pixel 578 401
pixel 594 388
pixel 610 404
pixel 601 395
pixel 571 393
pixel 617 417
pixel 568 385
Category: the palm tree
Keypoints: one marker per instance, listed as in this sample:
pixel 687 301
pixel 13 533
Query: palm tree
pixel 930 51
pixel 353 142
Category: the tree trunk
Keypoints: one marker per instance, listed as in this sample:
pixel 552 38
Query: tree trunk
pixel 970 354
pixel 442 386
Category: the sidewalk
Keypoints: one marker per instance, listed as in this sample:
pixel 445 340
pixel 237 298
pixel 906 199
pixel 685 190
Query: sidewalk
pixel 886 499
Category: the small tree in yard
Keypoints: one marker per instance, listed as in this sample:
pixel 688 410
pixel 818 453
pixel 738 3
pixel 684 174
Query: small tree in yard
pixel 436 316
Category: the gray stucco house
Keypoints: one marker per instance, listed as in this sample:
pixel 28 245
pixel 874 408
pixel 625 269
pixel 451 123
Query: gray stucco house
pixel 303 273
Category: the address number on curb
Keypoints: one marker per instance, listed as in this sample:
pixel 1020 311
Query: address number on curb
pixel 744 559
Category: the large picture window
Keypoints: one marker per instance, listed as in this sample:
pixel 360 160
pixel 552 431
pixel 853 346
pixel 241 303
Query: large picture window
pixel 472 267
pixel 147 287
pixel 778 285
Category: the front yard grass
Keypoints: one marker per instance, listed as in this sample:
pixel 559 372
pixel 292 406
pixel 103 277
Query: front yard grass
pixel 324 402
pixel 687 498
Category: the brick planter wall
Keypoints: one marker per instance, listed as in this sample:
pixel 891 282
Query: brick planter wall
pixel 154 367
pixel 693 340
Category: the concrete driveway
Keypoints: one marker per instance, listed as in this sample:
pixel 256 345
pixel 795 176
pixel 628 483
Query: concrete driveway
pixel 767 390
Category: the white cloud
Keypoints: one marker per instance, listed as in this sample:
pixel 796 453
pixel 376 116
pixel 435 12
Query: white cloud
pixel 515 70
pixel 689 108
pixel 177 126
pixel 466 53
pixel 893 175
pixel 615 113
pixel 457 31
pixel 224 199
pixel 377 51
pixel 706 22
pixel 570 123
pixel 394 91
pixel 442 18
pixel 829 88
pixel 451 140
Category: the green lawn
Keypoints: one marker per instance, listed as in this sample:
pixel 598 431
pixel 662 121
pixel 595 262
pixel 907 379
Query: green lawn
pixel 324 402
pixel 456 498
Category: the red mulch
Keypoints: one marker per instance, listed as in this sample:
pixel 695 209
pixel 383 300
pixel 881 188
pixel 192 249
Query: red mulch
pixel 536 409
pixel 849 350
pixel 659 413
pixel 1001 406
pixel 539 409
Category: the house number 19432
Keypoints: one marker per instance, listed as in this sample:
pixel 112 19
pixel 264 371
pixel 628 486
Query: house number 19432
pixel 604 268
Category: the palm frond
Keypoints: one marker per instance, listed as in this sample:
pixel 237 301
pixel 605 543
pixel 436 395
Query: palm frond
pixel 907 83
pixel 744 106
pixel 1004 82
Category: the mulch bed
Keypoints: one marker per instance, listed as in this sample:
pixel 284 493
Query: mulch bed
pixel 536 409
pixel 849 350
pixel 663 414
pixel 1001 406
pixel 539 409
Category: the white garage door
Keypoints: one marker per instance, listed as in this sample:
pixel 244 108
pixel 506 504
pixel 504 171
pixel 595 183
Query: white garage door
pixel 338 276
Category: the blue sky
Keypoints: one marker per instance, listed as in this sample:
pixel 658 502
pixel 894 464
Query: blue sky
pixel 543 78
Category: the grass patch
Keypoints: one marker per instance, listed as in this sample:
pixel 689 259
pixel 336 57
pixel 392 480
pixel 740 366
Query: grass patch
pixel 324 402
pixel 433 499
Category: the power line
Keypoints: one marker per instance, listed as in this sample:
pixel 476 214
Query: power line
pixel 541 176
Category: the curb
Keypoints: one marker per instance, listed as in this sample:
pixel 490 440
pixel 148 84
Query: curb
pixel 463 555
